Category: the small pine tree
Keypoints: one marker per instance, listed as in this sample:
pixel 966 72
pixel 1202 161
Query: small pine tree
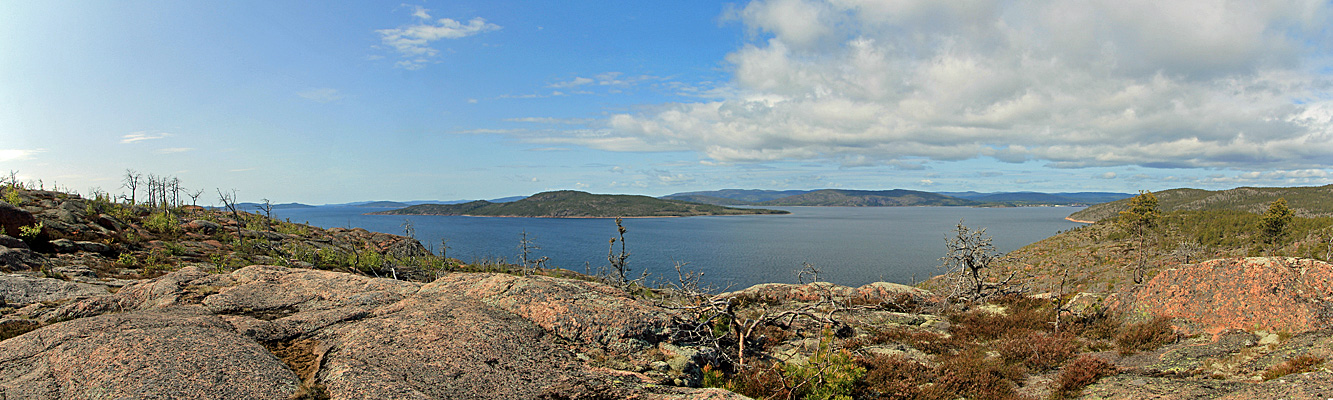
pixel 1140 219
pixel 1275 222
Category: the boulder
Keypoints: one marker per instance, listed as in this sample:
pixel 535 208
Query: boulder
pixel 12 218
pixel 92 247
pixel 589 313
pixel 201 226
pixel 12 242
pixel 64 246
pixel 1267 293
pixel 20 259
pixel 109 222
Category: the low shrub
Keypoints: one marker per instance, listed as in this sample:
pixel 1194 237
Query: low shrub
pixel 1021 313
pixel 1078 374
pixel 1038 351
pixel 972 375
pixel 162 222
pixel 1145 335
pixel 892 377
pixel 1298 364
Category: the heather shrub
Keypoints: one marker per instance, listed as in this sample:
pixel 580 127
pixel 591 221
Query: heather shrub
pixel 1038 351
pixel 926 341
pixel 892 377
pixel 1021 313
pixel 1298 364
pixel 972 375
pixel 1078 374
pixel 1145 335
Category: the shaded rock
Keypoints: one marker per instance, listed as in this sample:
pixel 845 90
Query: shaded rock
pixel 20 259
pixel 1276 294
pixel 11 327
pixel 179 353
pixel 20 290
pixel 12 242
pixel 109 222
pixel 64 246
pixel 92 247
pixel 12 218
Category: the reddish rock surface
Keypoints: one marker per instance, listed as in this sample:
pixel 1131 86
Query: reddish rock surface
pixel 1272 294
pixel 273 332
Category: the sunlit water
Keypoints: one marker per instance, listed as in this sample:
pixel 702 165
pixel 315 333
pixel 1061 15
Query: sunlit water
pixel 850 245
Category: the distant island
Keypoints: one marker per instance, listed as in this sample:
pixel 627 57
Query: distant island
pixel 891 198
pixel 576 204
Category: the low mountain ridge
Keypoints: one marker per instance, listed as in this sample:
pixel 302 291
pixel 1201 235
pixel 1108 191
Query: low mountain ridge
pixel 1306 201
pixel 576 204
pixel 869 198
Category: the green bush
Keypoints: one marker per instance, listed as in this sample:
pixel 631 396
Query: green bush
pixel 828 375
pixel 162 222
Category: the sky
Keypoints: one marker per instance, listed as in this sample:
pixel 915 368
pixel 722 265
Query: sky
pixel 325 102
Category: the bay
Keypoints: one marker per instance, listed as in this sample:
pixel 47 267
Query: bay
pixel 849 245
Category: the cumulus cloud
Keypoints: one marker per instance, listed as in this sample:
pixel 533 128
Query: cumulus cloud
pixel 142 136
pixel 1106 175
pixel 321 95
pixel 1182 84
pixel 413 42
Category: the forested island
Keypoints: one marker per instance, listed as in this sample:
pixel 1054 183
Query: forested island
pixel 576 204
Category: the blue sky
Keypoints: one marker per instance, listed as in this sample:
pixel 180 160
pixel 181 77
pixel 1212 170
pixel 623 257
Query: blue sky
pixel 321 102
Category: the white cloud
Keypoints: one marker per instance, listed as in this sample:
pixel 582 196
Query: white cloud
pixel 321 95
pixel 142 136
pixel 18 154
pixel 1182 84
pixel 1106 175
pixel 172 150
pixel 576 82
pixel 552 121
pixel 413 42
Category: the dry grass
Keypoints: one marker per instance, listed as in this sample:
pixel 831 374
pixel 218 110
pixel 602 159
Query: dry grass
pixel 1298 364
pixel 1080 373
pixel 1145 335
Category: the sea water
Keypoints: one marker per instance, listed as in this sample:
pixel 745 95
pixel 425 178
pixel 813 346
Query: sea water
pixel 848 245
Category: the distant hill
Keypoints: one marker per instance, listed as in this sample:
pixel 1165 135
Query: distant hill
pixel 734 196
pixel 383 204
pixel 1029 198
pixel 869 198
pixel 705 199
pixel 575 204
pixel 283 206
pixel 1305 201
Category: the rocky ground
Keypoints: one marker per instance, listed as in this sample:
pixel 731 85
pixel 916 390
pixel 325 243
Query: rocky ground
pixel 108 301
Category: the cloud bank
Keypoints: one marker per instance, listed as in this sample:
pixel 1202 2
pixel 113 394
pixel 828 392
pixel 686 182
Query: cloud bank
pixel 1181 84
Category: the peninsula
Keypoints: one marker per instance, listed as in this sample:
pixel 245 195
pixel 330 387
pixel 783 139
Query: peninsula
pixel 576 204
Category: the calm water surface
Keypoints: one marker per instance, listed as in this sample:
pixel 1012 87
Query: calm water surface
pixel 851 245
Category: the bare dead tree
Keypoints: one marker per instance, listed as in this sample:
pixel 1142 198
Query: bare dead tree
pixel 968 262
pixel 194 197
pixel 267 208
pixel 228 200
pixel 132 180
